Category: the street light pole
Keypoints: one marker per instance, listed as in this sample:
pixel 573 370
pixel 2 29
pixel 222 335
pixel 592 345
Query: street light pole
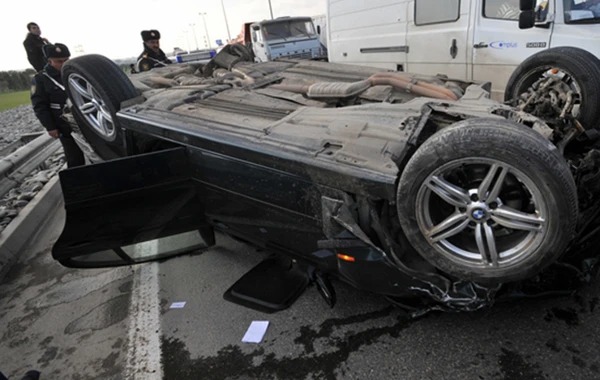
pixel 193 26
pixel 271 9
pixel 226 23
pixel 187 41
pixel 205 28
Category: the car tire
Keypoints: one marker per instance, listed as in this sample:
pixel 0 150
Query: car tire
pixel 582 66
pixel 96 87
pixel 537 184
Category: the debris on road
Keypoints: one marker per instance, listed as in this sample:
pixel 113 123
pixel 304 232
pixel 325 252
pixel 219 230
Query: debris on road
pixel 256 332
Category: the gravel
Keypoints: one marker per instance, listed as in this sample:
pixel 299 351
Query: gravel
pixel 17 121
pixel 16 199
pixel 14 123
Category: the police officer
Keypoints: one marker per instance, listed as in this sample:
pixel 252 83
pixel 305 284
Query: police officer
pixel 49 98
pixel 33 46
pixel 152 56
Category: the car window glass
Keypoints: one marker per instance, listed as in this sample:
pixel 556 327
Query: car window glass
pixel 582 11
pixel 509 9
pixel 436 11
pixel 502 9
pixel 289 29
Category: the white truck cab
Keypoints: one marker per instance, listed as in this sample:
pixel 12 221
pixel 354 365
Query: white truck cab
pixel 472 40
pixel 285 37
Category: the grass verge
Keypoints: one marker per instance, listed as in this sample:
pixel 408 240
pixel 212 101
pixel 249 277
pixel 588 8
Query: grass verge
pixel 10 100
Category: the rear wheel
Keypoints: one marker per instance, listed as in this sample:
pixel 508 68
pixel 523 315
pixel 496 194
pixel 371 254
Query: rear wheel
pixel 554 73
pixel 488 200
pixel 96 87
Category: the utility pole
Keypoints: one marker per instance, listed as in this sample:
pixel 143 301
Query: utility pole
pixel 226 23
pixel 271 9
pixel 193 26
pixel 205 28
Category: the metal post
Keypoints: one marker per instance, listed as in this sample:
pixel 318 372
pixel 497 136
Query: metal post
pixel 187 41
pixel 226 23
pixel 205 28
pixel 271 9
pixel 193 26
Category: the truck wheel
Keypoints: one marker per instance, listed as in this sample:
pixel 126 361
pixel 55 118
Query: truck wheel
pixel 488 200
pixel 96 87
pixel 579 70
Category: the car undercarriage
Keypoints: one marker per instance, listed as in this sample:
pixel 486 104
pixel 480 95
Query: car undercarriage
pixel 416 187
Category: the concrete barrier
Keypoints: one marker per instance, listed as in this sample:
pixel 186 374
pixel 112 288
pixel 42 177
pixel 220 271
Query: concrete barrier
pixel 27 223
pixel 24 153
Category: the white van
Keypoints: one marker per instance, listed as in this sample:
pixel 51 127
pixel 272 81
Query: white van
pixel 473 40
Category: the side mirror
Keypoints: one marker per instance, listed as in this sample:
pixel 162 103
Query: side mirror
pixel 527 5
pixel 255 27
pixel 318 29
pixel 527 19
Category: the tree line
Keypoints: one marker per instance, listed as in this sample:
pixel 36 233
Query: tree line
pixel 21 80
pixel 16 80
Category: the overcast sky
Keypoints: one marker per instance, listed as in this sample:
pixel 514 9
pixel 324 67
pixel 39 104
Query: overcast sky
pixel 112 28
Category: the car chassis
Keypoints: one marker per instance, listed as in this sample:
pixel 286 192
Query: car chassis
pixel 317 184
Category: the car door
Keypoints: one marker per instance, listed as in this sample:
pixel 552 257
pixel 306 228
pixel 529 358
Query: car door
pixel 499 46
pixel 368 33
pixel 131 210
pixel 437 37
pixel 258 44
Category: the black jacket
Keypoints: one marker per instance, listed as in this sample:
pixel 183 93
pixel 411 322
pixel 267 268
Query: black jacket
pixel 33 46
pixel 49 100
pixel 149 59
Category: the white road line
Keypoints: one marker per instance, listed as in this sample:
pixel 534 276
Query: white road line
pixel 144 352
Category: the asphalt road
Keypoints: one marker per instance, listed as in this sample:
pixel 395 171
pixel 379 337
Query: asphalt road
pixel 85 324
pixel 67 324
pixel 364 337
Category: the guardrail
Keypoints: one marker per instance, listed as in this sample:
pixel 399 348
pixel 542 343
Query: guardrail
pixel 30 153
pixel 21 216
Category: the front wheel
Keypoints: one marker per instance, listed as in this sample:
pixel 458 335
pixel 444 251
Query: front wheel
pixel 488 200
pixel 555 80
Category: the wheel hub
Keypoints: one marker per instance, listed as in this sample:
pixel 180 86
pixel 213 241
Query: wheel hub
pixel 478 212
pixel 476 226
pixel 92 107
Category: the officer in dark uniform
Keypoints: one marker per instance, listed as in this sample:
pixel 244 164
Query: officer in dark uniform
pixel 152 56
pixel 49 98
pixel 33 46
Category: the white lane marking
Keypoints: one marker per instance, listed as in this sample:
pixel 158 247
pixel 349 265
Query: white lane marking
pixel 144 352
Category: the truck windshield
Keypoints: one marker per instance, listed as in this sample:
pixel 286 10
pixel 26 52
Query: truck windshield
pixel 289 29
pixel 582 11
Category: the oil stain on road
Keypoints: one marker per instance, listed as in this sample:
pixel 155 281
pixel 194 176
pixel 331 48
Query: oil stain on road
pixel 232 362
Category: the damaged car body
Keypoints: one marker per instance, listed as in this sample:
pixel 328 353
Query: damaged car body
pixel 418 188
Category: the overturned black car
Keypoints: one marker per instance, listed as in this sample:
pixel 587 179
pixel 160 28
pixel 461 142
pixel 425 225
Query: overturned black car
pixel 415 187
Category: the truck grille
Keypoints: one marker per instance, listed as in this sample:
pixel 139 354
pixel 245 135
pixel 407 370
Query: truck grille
pixel 305 55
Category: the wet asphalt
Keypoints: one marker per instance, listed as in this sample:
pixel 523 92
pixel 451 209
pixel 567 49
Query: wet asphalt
pixel 72 324
pixel 65 323
pixel 363 336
